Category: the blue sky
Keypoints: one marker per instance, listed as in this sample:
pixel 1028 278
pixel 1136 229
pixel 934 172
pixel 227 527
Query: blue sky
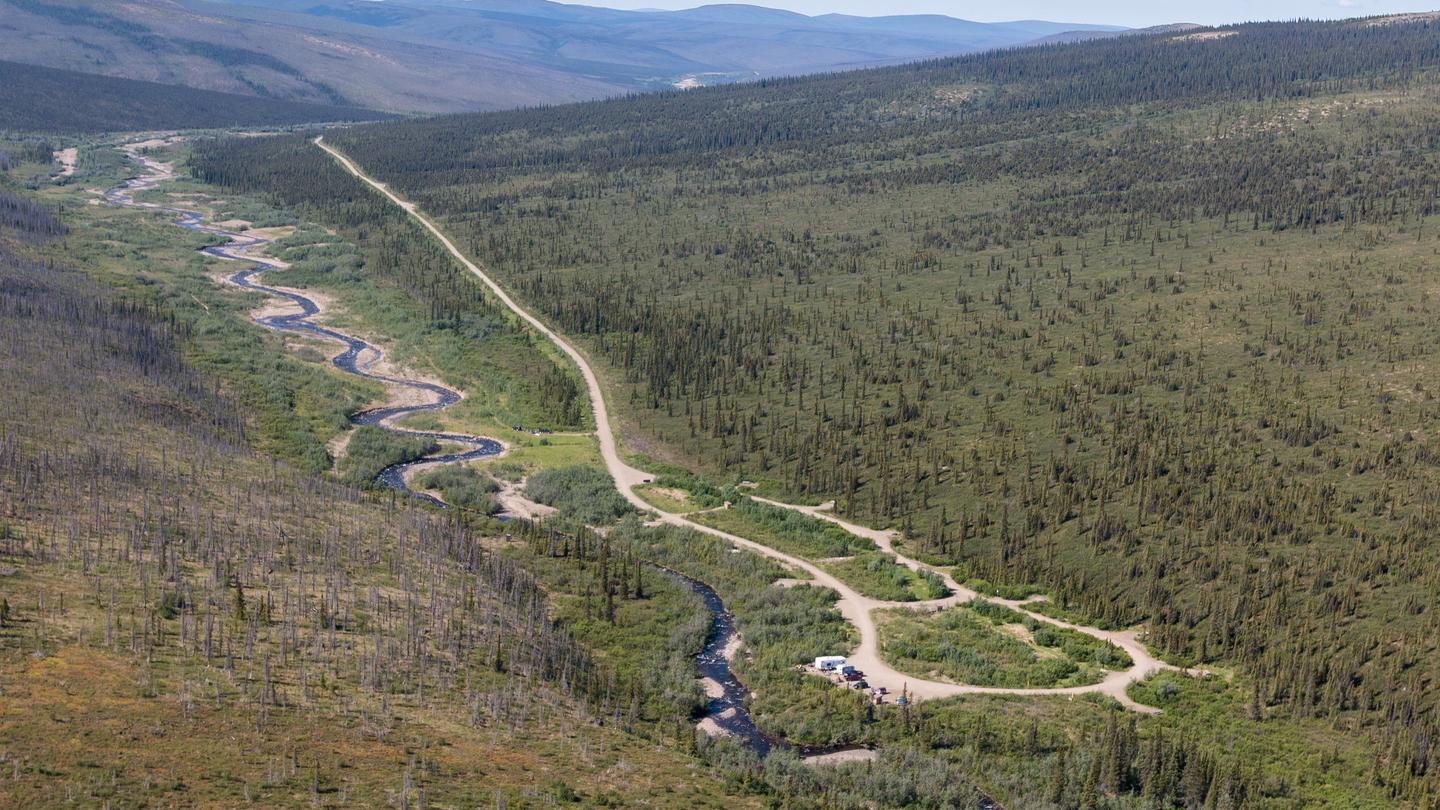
pixel 1116 12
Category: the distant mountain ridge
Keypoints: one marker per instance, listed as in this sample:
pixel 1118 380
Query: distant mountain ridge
pixel 1082 35
pixel 41 99
pixel 453 55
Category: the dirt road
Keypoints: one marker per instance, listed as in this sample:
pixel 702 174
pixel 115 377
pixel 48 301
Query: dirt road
pixel 856 608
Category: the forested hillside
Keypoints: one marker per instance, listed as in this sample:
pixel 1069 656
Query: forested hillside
pixel 1147 323
pixel 186 621
pixel 37 99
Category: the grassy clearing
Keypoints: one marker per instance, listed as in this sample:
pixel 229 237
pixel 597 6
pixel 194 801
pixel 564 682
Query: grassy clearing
pixel 667 499
pixel 986 645
pixel 678 490
pixel 534 453
pixel 878 576
pixel 787 531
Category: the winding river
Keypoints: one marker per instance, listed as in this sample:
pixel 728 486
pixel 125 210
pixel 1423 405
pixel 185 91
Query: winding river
pixel 726 711
pixel 358 357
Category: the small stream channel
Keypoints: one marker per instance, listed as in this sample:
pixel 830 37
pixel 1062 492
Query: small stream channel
pixel 358 356
pixel 727 711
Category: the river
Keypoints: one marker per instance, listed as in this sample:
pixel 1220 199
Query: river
pixel 727 712
pixel 357 358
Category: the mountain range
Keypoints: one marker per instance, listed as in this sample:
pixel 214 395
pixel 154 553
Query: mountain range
pixel 429 56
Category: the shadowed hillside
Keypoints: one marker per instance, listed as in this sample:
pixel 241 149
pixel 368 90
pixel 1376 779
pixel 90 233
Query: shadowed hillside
pixel 37 99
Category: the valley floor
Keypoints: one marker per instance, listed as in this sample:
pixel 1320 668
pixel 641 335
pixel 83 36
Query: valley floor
pixel 857 608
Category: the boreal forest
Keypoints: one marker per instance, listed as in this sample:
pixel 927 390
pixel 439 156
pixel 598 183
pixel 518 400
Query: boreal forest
pixel 1146 323
pixel 1053 427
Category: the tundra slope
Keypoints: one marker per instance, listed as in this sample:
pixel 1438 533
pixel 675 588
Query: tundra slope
pixel 856 608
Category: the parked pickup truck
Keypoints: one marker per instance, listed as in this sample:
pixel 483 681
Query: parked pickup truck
pixel 854 675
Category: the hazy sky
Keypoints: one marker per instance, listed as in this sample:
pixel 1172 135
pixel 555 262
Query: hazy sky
pixel 1117 12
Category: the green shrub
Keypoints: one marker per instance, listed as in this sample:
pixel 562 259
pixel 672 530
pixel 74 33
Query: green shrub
pixel 462 486
pixel 580 492
pixel 373 448
pixel 879 576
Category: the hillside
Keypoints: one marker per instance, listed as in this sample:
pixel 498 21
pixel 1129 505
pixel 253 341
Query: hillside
pixel 186 621
pixel 428 56
pixel 1155 341
pixel 37 99
pixel 276 626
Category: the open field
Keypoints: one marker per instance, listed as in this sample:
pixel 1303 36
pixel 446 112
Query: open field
pixel 878 575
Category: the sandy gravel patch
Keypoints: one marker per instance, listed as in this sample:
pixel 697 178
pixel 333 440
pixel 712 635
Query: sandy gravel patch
pixel 1204 36
pixel 67 158
pixel 339 445
pixel 274 234
pixel 517 505
pixel 841 757
pixel 712 688
pixel 154 143
pixel 1021 632
pixel 732 647
pixel 672 493
pixel 1398 19
pixel 712 728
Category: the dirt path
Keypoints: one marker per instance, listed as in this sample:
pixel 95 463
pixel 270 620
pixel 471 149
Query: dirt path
pixel 1114 685
pixel 855 607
